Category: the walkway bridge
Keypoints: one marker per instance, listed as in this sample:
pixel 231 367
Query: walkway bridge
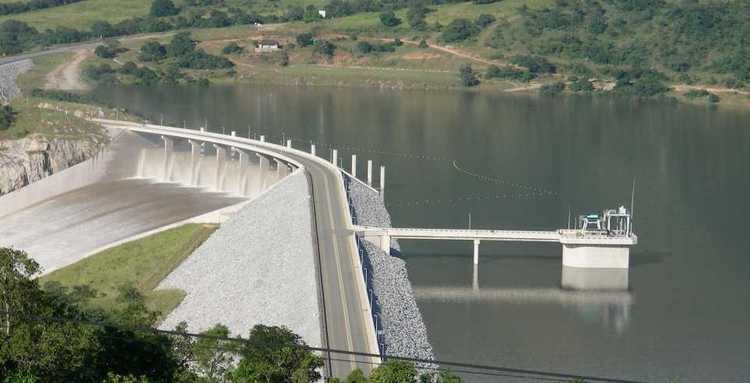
pixel 581 248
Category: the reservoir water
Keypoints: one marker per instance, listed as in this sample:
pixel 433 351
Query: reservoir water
pixel 525 162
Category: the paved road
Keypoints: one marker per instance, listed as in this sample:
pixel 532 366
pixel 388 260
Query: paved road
pixel 347 322
pixel 346 315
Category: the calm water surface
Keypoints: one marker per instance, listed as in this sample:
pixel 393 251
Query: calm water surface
pixel 523 163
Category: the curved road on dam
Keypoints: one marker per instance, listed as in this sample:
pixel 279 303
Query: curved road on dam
pixel 347 313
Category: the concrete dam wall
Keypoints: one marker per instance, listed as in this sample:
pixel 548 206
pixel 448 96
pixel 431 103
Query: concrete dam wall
pixel 132 188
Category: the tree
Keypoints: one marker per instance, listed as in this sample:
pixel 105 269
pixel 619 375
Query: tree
pixel 552 89
pixel 389 19
pixel 484 20
pixel 232 48
pixel 394 371
pixel 152 51
pixel 305 39
pixel 468 76
pixel 275 354
pixel 7 117
pixel 423 44
pixel 295 13
pixel 325 48
pixel 161 8
pixel 459 30
pixel 15 36
pixel 181 45
pixel 415 16
pixel 311 14
pixel 213 357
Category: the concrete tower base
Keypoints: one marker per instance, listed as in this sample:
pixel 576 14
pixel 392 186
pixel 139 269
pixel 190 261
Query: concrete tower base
pixel 596 257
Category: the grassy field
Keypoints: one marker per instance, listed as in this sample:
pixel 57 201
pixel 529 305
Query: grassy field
pixel 143 262
pixel 36 77
pixel 83 14
pixel 31 119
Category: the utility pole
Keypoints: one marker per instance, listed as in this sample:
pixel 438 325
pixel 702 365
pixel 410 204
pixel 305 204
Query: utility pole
pixel 469 220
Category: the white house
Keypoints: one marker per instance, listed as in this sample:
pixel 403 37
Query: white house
pixel 267 46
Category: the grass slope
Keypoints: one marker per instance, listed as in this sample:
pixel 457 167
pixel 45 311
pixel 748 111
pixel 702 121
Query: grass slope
pixel 82 14
pixel 143 262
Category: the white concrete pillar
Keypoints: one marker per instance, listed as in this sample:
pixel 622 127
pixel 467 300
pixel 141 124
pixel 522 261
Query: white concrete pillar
pixel 263 166
pixel 369 172
pixel 312 149
pixel 195 151
pixel 262 138
pixel 476 251
pixel 221 156
pixel 279 166
pixel 475 278
pixel 289 144
pixel 382 179
pixel 335 157
pixel 233 133
pixel 354 165
pixel 168 158
pixel 242 188
pixel 385 244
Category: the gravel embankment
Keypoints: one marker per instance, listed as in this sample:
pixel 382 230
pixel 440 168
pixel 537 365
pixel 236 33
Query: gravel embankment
pixel 257 268
pixel 8 74
pixel 404 331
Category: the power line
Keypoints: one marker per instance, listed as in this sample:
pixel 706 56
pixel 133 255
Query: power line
pixel 536 374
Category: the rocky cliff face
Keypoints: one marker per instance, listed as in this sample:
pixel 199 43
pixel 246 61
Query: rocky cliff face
pixel 34 157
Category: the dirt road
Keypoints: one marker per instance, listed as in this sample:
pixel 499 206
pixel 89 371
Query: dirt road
pixel 67 76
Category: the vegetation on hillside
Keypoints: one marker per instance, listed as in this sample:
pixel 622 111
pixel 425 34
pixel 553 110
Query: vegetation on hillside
pixel 53 334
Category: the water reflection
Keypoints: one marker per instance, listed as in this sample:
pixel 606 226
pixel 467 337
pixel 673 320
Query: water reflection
pixel 597 295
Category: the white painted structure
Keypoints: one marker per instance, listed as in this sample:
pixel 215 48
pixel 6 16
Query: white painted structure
pixel 580 248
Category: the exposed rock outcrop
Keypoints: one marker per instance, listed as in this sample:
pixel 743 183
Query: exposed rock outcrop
pixel 34 157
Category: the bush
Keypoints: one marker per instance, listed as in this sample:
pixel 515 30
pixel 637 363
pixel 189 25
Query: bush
pixel 305 39
pixel 199 59
pixel 61 95
pixel 161 8
pixel 484 20
pixel 364 47
pixel 182 44
pixel 232 48
pixel 640 83
pixel 152 51
pixel 423 44
pixel 535 64
pixel 696 93
pixel 712 98
pixel 459 30
pixel 7 117
pixel 101 72
pixel 325 48
pixel 509 73
pixel 468 76
pixel 581 85
pixel 485 1
pixel 105 52
pixel 389 19
pixel 552 89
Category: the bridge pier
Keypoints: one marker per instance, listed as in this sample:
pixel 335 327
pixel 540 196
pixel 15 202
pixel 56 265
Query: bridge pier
pixel 385 244
pixel 369 172
pixel 382 179
pixel 168 158
pixel 221 157
pixel 334 157
pixel 195 156
pixel 476 251
pixel 312 149
pixel 263 166
pixel 354 165
pixel 243 165
pixel 595 256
